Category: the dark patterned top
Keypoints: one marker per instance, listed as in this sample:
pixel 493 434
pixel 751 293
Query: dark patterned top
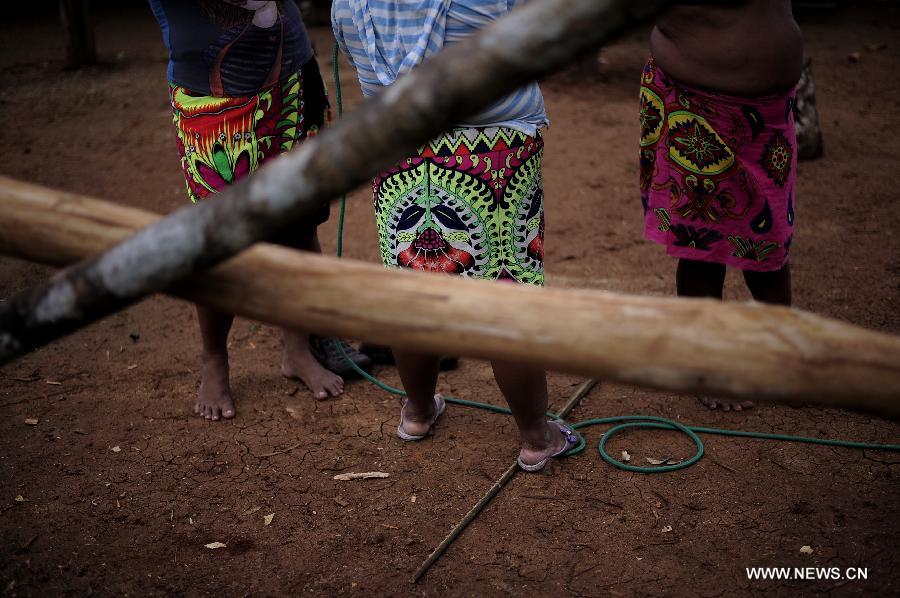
pixel 213 59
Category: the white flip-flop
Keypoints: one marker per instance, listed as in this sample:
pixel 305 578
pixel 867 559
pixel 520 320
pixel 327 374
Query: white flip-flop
pixel 439 406
pixel 571 442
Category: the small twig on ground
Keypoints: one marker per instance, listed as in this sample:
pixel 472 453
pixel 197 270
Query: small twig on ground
pixel 722 465
pixel 282 451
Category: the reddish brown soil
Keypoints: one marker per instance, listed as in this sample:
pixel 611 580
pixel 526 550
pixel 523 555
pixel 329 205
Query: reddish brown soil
pixel 135 521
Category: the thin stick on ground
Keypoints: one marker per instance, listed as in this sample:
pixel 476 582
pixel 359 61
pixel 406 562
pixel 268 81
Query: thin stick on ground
pixel 282 451
pixel 508 475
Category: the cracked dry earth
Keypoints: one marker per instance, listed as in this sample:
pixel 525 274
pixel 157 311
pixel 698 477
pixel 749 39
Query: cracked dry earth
pixel 121 488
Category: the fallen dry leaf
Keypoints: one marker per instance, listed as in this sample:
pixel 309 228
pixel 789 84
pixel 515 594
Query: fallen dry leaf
pixel 667 529
pixel 340 501
pixel 655 461
pixel 854 56
pixel 806 550
pixel 346 477
pixel 20 498
pixel 53 382
pixel 673 461
pixel 215 545
pixel 250 511
pixel 267 520
pixel 132 366
pixel 626 457
pixel 31 421
pixel 116 449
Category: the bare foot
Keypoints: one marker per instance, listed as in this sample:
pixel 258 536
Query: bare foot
pixel 299 364
pixel 726 404
pixel 214 400
pixel 536 450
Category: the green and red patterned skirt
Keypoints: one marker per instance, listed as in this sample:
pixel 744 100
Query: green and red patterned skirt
pixel 224 139
pixel 469 203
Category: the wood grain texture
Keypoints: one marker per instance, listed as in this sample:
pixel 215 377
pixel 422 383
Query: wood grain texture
pixel 746 350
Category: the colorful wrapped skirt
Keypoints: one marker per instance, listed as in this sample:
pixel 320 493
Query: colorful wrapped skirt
pixel 718 173
pixel 224 139
pixel 469 203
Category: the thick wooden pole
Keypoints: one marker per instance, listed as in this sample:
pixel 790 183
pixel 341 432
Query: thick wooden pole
pixel 746 350
pixel 533 40
pixel 81 49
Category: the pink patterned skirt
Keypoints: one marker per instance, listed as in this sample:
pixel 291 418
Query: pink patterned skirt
pixel 718 173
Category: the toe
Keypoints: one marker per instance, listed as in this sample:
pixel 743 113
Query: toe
pixel 228 413
pixel 215 413
pixel 747 404
pixel 321 395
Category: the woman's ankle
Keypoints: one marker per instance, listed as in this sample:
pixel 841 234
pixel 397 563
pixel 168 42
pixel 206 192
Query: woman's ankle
pixel 539 438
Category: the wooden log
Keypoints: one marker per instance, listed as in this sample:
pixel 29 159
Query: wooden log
pixel 745 350
pixel 533 40
pixel 81 49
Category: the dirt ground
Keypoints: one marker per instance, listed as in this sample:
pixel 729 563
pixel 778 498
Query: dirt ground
pixel 121 487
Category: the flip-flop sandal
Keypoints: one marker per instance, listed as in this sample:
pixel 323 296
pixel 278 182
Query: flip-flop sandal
pixel 439 406
pixel 571 442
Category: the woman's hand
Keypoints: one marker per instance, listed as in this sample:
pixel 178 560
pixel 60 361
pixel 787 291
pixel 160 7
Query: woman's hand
pixel 266 13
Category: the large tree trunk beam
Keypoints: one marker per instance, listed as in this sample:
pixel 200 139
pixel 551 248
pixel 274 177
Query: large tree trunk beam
pixel 532 41
pixel 746 350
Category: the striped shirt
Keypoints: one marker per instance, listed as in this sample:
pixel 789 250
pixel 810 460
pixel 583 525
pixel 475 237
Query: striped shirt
pixel 385 39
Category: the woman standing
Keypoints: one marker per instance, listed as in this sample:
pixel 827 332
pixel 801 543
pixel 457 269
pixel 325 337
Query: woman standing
pixel 244 88
pixel 718 146
pixel 468 203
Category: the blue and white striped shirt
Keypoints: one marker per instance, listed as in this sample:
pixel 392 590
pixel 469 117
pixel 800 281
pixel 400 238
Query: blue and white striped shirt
pixel 385 39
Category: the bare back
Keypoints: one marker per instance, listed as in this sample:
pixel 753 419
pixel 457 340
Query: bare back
pixel 737 47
